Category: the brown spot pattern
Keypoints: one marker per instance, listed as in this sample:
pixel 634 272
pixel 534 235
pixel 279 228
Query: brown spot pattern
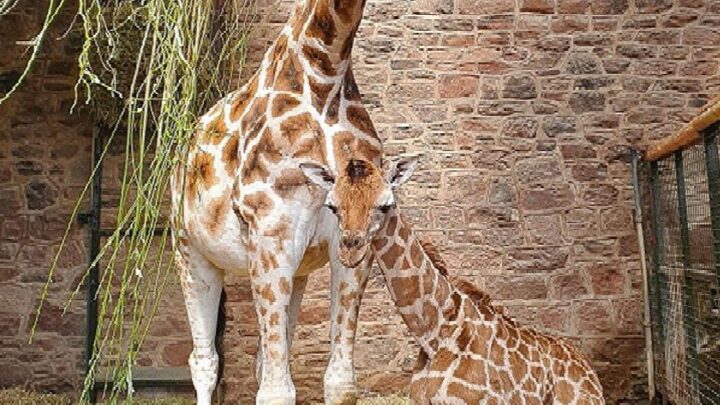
pixel 218 208
pixel 320 93
pixel 409 286
pixel 285 286
pixel 296 126
pixel 278 53
pixel 319 60
pixel 255 117
pixel 267 293
pixel 274 319
pixel 268 261
pixel 345 9
pixel 347 146
pixel 288 181
pixel 469 396
pixel 230 156
pixel 322 25
pixel 238 106
pixel 564 392
pixel 282 103
pixel 442 360
pixel 291 75
pixel 202 171
pixel 333 110
pixel 391 255
pixel 360 119
pixel 350 89
pixel 258 204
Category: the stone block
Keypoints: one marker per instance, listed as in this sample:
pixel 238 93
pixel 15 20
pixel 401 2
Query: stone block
pixel 457 86
pixel 536 260
pixel 572 6
pixel 517 288
pixel 607 278
pixel 593 317
pixel 546 196
pixel 432 7
pixel 600 7
pixel 587 102
pixel 582 63
pixel 484 7
pixel 519 87
pixel 537 6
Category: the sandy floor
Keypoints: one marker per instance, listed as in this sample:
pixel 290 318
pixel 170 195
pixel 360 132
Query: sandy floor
pixel 17 396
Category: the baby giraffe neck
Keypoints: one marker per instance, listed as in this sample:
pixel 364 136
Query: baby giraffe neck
pixel 422 293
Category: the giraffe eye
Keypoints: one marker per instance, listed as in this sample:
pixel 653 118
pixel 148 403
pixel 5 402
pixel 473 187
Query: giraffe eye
pixel 332 208
pixel 384 208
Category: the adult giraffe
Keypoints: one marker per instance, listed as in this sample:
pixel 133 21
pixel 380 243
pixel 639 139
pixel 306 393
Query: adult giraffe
pixel 242 204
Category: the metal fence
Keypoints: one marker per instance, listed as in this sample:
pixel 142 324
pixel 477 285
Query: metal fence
pixel 679 197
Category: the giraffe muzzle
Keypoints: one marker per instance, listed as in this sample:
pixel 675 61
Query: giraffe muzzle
pixel 351 241
pixel 353 248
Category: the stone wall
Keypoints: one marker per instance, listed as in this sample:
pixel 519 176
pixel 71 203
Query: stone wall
pixel 44 162
pixel 524 112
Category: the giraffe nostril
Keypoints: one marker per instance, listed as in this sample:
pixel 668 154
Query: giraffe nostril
pixel 351 241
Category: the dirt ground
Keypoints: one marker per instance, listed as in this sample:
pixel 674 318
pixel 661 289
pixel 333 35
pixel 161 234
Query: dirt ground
pixel 18 396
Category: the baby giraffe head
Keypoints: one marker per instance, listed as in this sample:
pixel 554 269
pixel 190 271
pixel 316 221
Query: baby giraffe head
pixel 359 197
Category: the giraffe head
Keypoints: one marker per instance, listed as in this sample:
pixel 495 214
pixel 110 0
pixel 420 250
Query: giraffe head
pixel 359 196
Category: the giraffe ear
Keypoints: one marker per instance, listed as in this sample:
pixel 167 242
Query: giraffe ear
pixel 318 174
pixel 402 170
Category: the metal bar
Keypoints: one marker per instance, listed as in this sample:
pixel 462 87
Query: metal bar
pixel 647 321
pixel 220 347
pixel 656 276
pixel 712 163
pixel 93 219
pixel 688 280
pixel 105 232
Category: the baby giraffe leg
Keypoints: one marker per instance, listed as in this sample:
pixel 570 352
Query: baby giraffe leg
pixel 346 289
pixel 202 285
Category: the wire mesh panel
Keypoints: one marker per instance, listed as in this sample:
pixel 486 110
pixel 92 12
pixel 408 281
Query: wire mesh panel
pixel 680 197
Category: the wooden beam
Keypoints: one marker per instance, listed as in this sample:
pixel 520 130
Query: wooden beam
pixel 689 135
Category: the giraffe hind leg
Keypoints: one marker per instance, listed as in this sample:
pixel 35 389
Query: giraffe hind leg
pixel 202 286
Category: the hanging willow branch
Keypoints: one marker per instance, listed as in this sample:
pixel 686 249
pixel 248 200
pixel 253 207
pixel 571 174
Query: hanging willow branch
pixel 148 69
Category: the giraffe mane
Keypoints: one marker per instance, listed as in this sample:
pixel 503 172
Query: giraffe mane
pixel 434 254
pixel 478 296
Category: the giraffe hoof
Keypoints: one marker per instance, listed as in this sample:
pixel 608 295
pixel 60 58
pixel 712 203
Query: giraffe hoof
pixel 343 394
pixel 275 396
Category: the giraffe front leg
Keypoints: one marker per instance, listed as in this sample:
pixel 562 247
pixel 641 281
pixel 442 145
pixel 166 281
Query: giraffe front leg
pixel 202 285
pixel 271 276
pixel 346 290
pixel 293 312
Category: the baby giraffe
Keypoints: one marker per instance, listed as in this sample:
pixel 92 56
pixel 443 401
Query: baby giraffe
pixel 470 352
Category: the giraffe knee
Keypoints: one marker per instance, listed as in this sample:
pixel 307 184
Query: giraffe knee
pixel 204 368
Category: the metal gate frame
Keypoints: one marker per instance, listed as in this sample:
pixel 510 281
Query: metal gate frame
pixel 652 280
pixel 147 377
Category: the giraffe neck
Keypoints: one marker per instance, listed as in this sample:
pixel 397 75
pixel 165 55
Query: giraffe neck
pixel 422 293
pixel 329 26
